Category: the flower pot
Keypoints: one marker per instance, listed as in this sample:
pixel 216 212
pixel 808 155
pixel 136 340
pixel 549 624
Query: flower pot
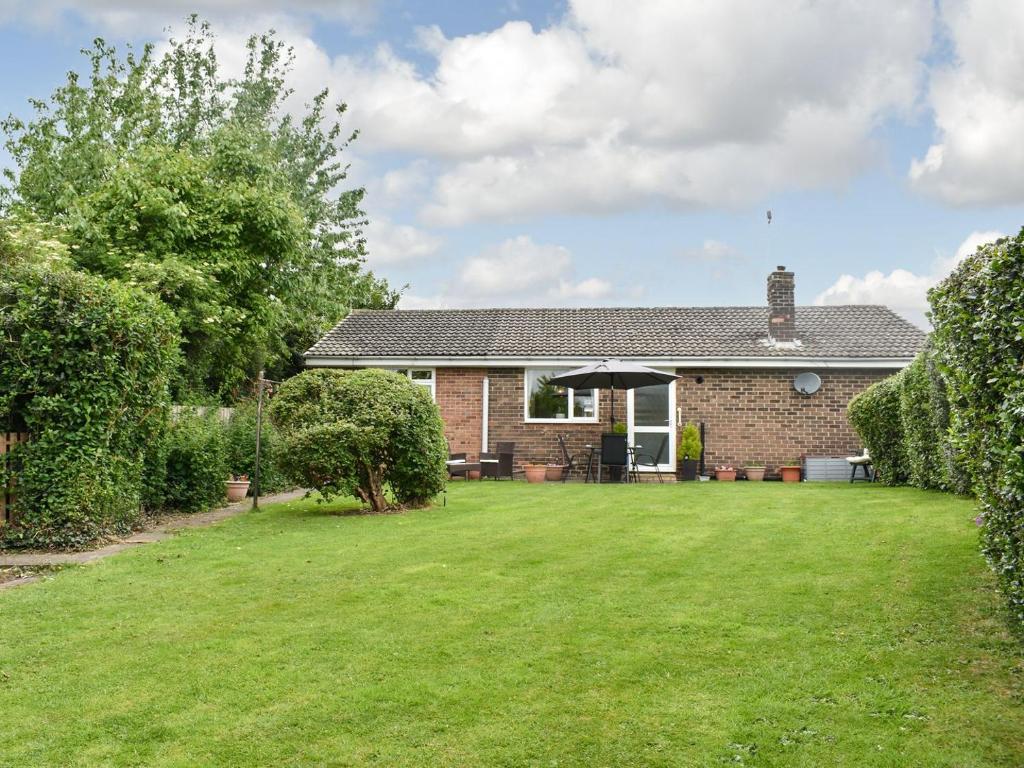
pixel 535 473
pixel 237 489
pixel 688 469
pixel 553 472
pixel 754 473
pixel 472 474
pixel 725 475
pixel 790 474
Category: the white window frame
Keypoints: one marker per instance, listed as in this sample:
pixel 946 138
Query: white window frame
pixel 569 419
pixel 430 384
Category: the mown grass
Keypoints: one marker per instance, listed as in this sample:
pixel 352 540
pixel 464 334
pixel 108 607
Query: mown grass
pixel 688 625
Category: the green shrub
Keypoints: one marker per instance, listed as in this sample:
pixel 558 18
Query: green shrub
pixel 875 415
pixel 361 433
pixel 922 442
pixel 197 462
pixel 240 435
pixel 689 442
pixel 978 314
pixel 954 471
pixel 85 368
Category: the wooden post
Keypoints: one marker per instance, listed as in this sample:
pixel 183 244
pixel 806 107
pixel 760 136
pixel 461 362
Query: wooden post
pixel 259 434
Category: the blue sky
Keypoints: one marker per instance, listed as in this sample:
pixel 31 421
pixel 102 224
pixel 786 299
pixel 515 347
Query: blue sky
pixel 569 153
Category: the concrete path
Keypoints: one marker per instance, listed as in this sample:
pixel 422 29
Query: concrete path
pixel 158 532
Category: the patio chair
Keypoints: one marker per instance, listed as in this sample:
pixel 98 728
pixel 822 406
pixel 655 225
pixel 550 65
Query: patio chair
pixel 614 454
pixel 568 460
pixel 499 464
pixel 643 460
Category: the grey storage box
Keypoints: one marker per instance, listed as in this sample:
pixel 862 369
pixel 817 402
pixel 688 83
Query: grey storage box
pixel 826 468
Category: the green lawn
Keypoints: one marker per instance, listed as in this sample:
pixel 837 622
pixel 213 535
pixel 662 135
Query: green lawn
pixel 689 625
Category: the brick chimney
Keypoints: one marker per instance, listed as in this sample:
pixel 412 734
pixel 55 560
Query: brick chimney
pixel 781 305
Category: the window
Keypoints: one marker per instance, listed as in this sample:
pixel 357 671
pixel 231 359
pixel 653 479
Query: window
pixel 548 402
pixel 422 376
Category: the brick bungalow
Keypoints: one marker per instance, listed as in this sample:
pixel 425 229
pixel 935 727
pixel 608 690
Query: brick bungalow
pixel 487 369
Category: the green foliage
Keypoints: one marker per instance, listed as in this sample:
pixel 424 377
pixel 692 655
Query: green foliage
pixel 196 462
pixel 359 433
pixel 620 428
pixel 85 368
pixel 954 471
pixel 922 442
pixel 875 415
pixel 689 442
pixel 240 435
pixel 206 191
pixel 978 314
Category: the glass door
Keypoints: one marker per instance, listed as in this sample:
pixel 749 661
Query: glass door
pixel 651 424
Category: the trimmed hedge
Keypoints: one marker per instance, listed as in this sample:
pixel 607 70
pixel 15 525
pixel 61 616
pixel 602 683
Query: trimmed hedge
pixel 875 414
pixel 978 314
pixel 196 462
pixel 85 369
pixel 921 439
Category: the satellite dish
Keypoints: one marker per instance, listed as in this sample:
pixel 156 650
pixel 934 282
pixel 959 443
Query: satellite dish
pixel 807 383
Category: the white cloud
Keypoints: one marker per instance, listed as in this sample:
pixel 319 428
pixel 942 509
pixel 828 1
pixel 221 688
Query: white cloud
pixel 978 101
pixel 901 290
pixel 516 272
pixel 684 103
pixel 711 252
pixel 391 243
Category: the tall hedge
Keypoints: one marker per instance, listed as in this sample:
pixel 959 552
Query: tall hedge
pixel 978 314
pixel 875 414
pixel 85 366
pixel 922 441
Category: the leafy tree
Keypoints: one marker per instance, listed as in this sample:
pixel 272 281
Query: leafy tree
pixel 206 190
pixel 361 433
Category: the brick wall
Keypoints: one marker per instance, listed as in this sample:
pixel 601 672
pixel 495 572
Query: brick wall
pixel 757 416
pixel 459 394
pixel 751 415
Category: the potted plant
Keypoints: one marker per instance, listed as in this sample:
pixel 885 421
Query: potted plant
pixel 553 472
pixel 754 472
pixel 535 473
pixel 689 450
pixel 791 471
pixel 725 473
pixel 238 487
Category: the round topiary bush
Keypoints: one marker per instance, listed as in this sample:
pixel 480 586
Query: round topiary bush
pixel 367 433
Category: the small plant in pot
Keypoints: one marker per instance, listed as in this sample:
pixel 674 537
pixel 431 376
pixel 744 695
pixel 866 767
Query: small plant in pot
pixel 791 471
pixel 689 451
pixel 535 473
pixel 754 472
pixel 237 486
pixel 725 473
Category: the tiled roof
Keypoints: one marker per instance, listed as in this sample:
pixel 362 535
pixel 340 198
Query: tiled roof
pixel 642 332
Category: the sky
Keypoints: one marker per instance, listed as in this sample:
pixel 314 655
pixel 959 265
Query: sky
pixel 601 153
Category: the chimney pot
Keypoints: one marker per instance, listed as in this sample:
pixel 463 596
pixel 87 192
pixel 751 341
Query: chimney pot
pixel 781 305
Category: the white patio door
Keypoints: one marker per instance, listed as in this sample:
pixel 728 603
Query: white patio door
pixel 650 417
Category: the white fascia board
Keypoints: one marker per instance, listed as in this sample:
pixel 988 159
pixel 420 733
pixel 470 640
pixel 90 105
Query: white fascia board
pixel 883 363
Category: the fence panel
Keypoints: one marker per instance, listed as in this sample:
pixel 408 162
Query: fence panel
pixel 7 441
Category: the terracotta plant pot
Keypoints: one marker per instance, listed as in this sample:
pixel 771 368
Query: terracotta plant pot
pixel 535 473
pixel 473 474
pixel 237 489
pixel 790 474
pixel 553 473
pixel 754 473
pixel 688 469
pixel 725 475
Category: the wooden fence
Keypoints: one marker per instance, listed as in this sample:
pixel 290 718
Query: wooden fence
pixel 7 441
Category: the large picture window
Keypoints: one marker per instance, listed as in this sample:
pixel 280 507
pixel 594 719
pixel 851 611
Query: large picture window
pixel 548 402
